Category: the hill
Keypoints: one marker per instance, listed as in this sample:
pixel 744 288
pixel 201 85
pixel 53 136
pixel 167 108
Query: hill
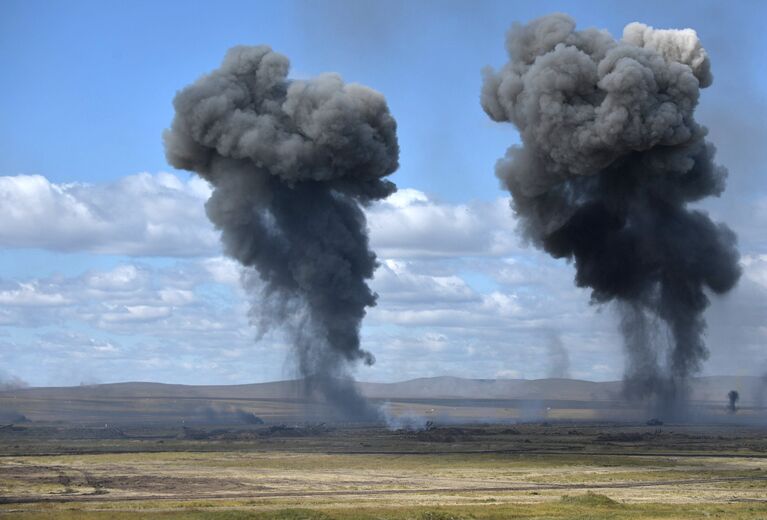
pixel 708 389
pixel 436 397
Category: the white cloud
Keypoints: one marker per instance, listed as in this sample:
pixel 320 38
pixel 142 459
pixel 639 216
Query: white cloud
pixel 508 374
pixel 122 278
pixel 30 295
pixel 406 197
pixel 138 215
pixel 410 224
pixel 457 294
pixel 83 344
pixel 176 296
pixel 135 313
pixel 755 269
pixel 401 285
pixel 223 270
pixel 185 323
pixel 161 215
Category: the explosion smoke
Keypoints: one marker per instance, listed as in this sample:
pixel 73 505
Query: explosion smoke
pixel 11 382
pixel 611 156
pixel 291 161
pixel 559 358
pixel 732 397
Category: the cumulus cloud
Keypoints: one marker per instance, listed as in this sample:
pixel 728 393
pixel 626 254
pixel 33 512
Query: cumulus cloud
pixel 756 269
pixel 133 321
pixel 411 224
pixel 137 215
pixel 162 215
pixel 187 322
pixel 457 291
pixel 403 286
pixel 30 295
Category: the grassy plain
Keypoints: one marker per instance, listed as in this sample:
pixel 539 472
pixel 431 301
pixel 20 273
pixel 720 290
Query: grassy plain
pixel 563 470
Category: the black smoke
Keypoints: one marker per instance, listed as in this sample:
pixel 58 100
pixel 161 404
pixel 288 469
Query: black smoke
pixel 732 397
pixel 611 157
pixel 291 163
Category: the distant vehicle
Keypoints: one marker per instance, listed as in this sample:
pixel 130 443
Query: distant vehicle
pixel 654 422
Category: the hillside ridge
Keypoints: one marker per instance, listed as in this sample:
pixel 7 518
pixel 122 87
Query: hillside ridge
pixel 705 388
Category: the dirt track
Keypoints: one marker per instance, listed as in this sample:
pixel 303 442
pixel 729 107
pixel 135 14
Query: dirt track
pixel 712 455
pixel 560 453
pixel 518 487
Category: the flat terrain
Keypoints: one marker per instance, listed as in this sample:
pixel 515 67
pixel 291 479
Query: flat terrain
pixel 558 470
pixel 500 449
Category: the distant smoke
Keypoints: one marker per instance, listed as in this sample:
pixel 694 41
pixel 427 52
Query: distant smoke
pixel 559 359
pixel 404 419
pixel 291 161
pixel 11 382
pixel 8 415
pixel 762 390
pixel 611 156
pixel 229 415
pixel 733 397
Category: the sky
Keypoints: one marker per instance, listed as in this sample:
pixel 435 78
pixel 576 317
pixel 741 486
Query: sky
pixel 110 270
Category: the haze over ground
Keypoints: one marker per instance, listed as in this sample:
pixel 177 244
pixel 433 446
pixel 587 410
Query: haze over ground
pixel 111 271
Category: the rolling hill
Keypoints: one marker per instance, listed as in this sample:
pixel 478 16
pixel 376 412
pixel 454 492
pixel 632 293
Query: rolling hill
pixel 437 397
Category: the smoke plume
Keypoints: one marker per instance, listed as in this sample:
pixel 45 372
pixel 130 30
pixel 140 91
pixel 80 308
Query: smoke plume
pixel 762 391
pixel 228 415
pixel 611 156
pixel 291 162
pixel 11 382
pixel 559 358
pixel 732 397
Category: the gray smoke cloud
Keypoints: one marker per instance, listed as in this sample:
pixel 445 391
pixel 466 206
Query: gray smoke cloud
pixel 611 156
pixel 11 382
pixel 291 162
pixel 761 391
pixel 229 415
pixel 559 358
pixel 732 397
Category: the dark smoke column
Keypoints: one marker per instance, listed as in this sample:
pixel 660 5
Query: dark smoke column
pixel 291 162
pixel 610 158
pixel 732 397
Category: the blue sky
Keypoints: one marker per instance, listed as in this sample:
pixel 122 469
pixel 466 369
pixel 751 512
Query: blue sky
pixel 86 93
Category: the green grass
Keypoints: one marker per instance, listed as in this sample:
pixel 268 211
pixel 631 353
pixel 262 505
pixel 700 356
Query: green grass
pixel 298 464
pixel 583 507
pixel 309 461
pixel 589 499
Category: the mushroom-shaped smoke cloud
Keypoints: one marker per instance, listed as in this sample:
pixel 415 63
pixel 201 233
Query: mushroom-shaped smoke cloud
pixel 610 158
pixel 291 161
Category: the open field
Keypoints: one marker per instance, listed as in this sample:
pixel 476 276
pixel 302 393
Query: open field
pixel 500 449
pixel 558 470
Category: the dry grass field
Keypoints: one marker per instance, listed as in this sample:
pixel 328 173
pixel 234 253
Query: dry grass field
pixel 561 470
